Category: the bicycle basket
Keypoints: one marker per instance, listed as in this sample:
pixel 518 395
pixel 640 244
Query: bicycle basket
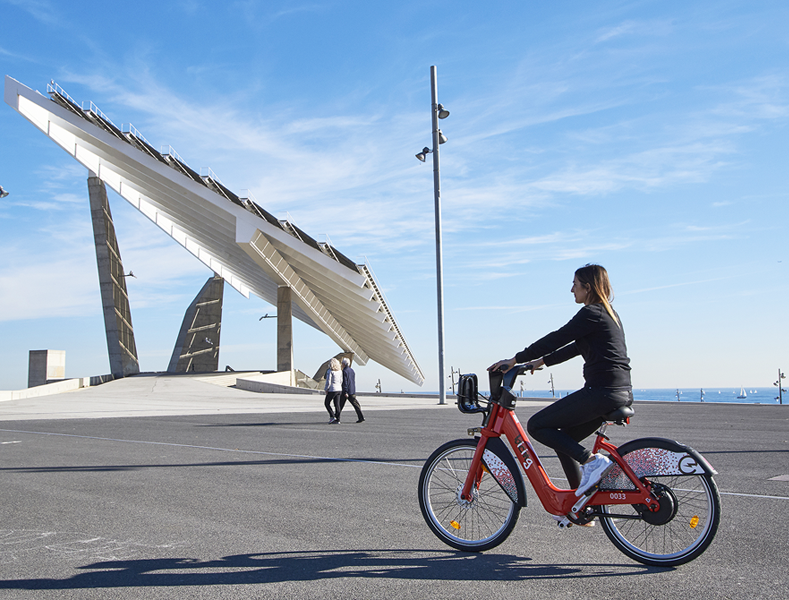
pixel 468 400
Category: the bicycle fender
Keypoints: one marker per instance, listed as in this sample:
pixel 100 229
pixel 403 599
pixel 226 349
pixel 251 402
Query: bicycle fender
pixel 651 457
pixel 502 466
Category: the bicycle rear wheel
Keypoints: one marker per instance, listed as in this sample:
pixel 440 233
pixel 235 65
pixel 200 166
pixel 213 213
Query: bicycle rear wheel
pixel 480 524
pixel 680 531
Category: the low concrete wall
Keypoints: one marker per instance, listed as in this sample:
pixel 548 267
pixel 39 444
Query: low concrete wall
pixel 272 383
pixel 58 387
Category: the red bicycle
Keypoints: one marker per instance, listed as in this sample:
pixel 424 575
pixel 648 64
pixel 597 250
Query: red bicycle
pixel 659 503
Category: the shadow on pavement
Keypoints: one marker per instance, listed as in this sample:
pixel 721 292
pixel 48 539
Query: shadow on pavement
pixel 246 569
pixel 300 460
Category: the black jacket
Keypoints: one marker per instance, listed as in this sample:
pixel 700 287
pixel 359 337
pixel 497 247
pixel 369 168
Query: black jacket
pixel 593 334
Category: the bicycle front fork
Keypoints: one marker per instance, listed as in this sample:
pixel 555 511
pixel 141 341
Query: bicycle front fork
pixel 475 471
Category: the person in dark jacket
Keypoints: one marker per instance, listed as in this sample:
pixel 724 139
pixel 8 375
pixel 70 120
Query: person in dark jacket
pixel 596 334
pixel 349 390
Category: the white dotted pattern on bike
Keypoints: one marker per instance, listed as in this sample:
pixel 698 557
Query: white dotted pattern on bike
pixel 651 462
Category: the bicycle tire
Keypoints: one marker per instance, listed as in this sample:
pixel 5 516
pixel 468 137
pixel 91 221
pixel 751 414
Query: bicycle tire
pixel 475 526
pixel 691 511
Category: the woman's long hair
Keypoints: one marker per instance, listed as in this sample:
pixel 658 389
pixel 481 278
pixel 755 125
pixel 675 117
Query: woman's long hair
pixel 600 290
pixel 334 365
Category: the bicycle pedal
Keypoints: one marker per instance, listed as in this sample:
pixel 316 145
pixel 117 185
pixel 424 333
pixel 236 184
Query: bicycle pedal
pixel 563 522
pixel 588 493
pixel 578 506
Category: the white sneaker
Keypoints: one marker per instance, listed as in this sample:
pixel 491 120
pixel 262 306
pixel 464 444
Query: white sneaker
pixel 592 472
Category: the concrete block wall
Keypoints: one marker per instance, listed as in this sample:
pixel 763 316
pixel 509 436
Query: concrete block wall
pixel 46 366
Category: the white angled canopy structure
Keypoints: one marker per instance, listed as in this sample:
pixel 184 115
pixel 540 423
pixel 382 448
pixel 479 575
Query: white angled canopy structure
pixel 241 242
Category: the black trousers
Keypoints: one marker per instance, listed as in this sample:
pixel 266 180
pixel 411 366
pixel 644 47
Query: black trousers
pixel 562 425
pixel 354 402
pixel 335 398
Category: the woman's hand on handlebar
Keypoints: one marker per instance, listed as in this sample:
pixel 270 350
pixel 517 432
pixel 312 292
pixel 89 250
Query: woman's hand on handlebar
pixel 506 365
pixel 503 365
pixel 534 365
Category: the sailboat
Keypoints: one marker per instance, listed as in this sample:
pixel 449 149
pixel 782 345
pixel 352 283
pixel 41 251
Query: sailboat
pixel 742 393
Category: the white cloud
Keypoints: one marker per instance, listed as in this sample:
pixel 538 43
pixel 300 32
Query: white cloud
pixel 41 10
pixel 757 98
pixel 49 287
pixel 650 28
pixel 613 32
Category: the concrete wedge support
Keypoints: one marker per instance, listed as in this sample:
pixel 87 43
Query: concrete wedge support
pixel 112 283
pixel 197 347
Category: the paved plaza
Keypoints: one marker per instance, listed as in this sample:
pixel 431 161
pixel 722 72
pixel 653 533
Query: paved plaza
pixel 177 487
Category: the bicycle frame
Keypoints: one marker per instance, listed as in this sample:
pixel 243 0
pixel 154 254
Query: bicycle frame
pixel 503 421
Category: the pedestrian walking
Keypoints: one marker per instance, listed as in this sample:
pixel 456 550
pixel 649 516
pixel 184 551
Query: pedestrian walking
pixel 349 390
pixel 333 388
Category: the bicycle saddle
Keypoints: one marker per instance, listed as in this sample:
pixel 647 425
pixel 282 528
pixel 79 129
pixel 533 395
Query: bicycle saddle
pixel 620 415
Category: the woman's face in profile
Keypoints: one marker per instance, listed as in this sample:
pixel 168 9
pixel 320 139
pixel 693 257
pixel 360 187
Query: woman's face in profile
pixel 580 291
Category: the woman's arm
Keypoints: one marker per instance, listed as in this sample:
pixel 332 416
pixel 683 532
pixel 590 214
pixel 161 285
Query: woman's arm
pixel 557 346
pixel 511 362
pixel 562 354
pixel 580 325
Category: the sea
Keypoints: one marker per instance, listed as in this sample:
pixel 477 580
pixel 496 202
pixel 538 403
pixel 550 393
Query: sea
pixel 763 395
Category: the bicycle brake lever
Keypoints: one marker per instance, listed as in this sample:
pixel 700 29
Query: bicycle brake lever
pixel 524 369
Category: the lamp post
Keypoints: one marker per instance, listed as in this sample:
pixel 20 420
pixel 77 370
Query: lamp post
pixel 437 112
pixel 779 383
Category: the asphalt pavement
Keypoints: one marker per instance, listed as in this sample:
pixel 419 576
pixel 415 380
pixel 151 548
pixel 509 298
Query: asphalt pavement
pixel 175 487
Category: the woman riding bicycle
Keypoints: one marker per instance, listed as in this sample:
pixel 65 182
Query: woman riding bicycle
pixel 596 334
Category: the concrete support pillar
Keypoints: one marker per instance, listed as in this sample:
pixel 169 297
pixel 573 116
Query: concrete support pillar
pixel 197 347
pixel 284 329
pixel 114 298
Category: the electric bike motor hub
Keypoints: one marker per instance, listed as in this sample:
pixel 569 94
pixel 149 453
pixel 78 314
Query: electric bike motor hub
pixel 666 511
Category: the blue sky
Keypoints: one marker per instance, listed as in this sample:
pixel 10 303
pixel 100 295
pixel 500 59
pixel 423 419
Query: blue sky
pixel 650 137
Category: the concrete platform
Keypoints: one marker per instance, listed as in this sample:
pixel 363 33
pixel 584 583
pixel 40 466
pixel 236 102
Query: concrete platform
pixel 147 395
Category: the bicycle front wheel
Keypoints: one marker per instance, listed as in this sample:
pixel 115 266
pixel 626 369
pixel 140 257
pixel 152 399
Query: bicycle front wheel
pixel 473 525
pixel 680 531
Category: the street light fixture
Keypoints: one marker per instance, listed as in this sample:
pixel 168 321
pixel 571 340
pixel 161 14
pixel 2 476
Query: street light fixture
pixel 779 383
pixel 437 112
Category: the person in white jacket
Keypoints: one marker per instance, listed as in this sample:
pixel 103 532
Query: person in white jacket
pixel 333 389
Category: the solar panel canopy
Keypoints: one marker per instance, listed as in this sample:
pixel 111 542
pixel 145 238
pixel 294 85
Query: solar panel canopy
pixel 234 236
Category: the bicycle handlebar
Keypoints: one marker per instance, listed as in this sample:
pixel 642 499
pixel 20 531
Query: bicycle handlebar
pixel 500 381
pixel 508 378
